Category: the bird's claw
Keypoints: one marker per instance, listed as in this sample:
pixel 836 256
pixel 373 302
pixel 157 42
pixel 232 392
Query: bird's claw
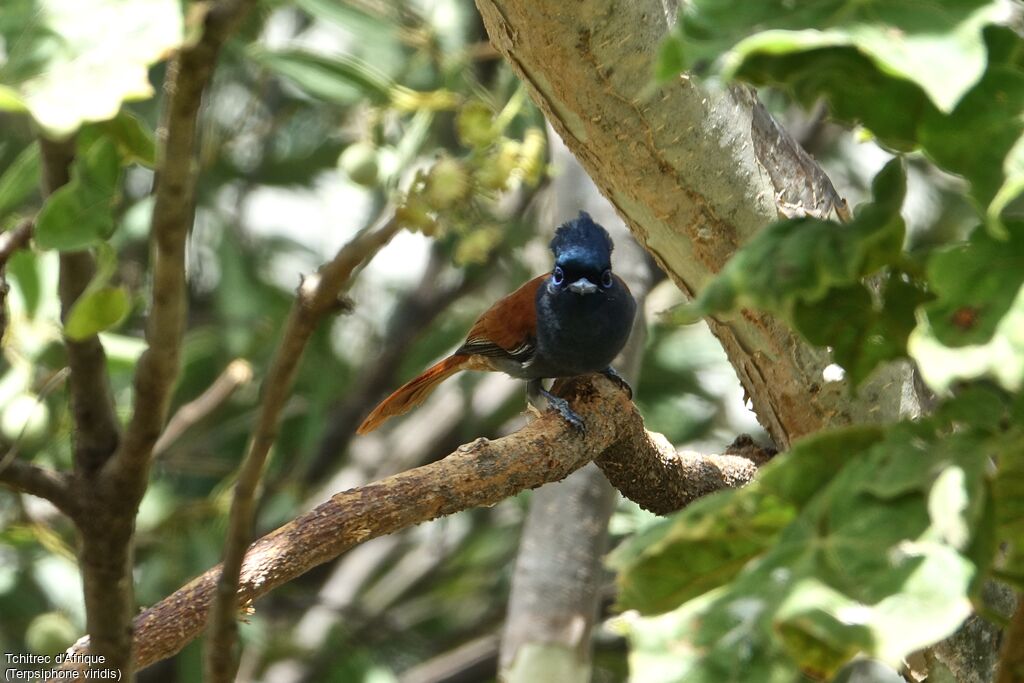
pixel 610 373
pixel 563 409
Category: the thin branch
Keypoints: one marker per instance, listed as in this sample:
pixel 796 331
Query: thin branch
pixel 188 75
pixel 10 241
pixel 16 238
pixel 1011 663
pixel 479 473
pixel 237 374
pixel 97 431
pixel 317 296
pixel 39 481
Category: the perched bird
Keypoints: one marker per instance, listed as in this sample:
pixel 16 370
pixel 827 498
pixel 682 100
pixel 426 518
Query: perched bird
pixel 571 321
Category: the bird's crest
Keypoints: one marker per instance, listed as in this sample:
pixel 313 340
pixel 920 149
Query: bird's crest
pixel 581 234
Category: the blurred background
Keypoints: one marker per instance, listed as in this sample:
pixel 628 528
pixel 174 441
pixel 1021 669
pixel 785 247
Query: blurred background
pixel 326 117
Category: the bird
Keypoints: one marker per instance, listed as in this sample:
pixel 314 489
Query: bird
pixel 570 321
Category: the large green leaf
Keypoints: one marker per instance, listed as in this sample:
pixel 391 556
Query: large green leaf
pixel 937 45
pixel 976 282
pixel 69 62
pixel 1001 358
pixel 80 214
pixel 982 139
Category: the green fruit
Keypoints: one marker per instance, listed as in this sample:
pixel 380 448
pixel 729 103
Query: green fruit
pixel 359 162
pixel 447 184
pixel 50 633
pixel 24 419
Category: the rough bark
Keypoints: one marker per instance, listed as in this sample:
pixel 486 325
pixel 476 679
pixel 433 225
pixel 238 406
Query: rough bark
pixel 680 164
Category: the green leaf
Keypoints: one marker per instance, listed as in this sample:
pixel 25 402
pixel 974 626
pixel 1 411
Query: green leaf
pixel 341 79
pixel 20 180
pixel 857 92
pixel 135 141
pixel 96 311
pixel 861 334
pixel 1000 359
pixel 990 112
pixel 79 214
pixel 937 45
pixel 799 261
pixel 975 283
pixel 63 66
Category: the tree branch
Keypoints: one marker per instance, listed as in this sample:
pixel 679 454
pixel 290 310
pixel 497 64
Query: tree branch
pixel 10 241
pixel 39 481
pixel 237 374
pixel 188 74
pixel 480 473
pixel 317 296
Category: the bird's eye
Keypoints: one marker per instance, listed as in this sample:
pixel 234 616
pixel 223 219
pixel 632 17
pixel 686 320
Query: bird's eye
pixel 558 276
pixel 606 279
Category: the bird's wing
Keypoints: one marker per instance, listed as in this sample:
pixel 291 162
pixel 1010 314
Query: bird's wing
pixel 508 329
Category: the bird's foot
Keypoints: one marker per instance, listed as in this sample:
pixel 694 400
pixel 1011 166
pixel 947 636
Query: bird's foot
pixel 562 406
pixel 610 373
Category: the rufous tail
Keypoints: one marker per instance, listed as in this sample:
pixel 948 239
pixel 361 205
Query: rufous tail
pixel 412 393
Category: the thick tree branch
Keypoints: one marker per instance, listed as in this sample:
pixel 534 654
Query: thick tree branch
pixel 480 473
pixel 317 296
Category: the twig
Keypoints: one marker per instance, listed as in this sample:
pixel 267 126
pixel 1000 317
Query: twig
pixel 480 473
pixel 238 373
pixel 1011 663
pixel 317 296
pixel 10 242
pixel 16 238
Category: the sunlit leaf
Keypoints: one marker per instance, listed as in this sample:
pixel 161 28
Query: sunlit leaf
pixel 64 66
pixel 79 214
pixel 937 45
pixel 96 311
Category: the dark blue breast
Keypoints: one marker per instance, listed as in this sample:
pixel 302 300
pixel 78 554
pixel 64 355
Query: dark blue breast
pixel 581 334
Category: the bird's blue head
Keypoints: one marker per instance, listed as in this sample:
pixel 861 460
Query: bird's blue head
pixel 583 256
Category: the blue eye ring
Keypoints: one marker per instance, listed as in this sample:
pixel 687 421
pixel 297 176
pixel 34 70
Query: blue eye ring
pixel 606 279
pixel 557 276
